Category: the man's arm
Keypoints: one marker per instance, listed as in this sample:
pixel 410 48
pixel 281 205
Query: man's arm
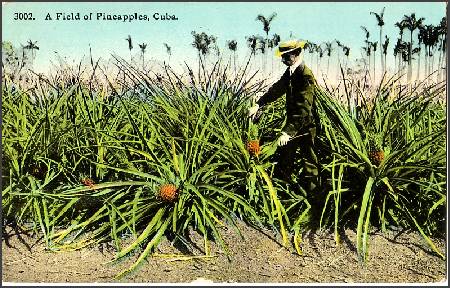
pixel 277 90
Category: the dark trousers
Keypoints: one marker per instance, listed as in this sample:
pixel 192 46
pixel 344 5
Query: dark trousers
pixel 298 164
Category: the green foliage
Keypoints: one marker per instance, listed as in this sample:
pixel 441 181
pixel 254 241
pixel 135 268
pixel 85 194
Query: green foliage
pixel 83 163
pixel 407 182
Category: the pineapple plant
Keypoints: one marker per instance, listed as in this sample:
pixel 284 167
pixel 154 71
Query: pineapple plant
pixel 376 153
pixel 253 146
pixel 168 192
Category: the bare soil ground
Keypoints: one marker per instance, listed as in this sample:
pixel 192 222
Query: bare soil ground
pixel 394 257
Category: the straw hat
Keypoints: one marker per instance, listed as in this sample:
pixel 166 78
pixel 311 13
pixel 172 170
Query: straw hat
pixel 289 46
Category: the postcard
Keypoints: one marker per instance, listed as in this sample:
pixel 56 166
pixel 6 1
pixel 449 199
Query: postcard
pixel 224 142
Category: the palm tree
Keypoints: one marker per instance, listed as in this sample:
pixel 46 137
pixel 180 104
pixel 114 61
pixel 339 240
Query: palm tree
pixel 442 31
pixel 168 50
pixel 340 45
pixel 143 46
pixel 19 62
pixel 328 49
pixel 414 51
pixel 272 44
pixel 364 28
pixel 31 46
pixel 276 39
pixel 405 53
pixel 420 38
pixel 252 43
pixel 401 26
pixel 24 56
pixel 130 46
pixel 346 50
pixel 384 52
pixel 200 45
pixel 434 41
pixel 232 45
pixel 266 25
pixel 367 49
pixel 374 46
pixel 203 43
pixel 311 47
pixel 319 51
pixel 399 49
pixel 210 41
pixel 411 24
pixel 216 48
pixel 428 39
pixel 261 46
pixel 380 24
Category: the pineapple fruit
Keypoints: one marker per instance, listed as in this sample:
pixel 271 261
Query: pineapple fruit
pixel 253 147
pixel 38 171
pixel 168 192
pixel 376 154
pixel 86 181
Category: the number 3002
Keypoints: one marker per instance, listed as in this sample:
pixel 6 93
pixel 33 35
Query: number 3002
pixel 23 16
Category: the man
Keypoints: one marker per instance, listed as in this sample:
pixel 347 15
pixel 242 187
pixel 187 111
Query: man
pixel 296 141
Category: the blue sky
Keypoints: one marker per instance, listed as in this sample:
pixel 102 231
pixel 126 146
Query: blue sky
pixel 315 21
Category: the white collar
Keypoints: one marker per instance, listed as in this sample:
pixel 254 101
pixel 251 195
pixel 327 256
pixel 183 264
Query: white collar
pixel 296 64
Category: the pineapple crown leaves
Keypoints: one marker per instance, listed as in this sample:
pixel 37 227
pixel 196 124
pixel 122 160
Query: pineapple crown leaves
pixel 170 178
pixel 374 141
pixel 253 131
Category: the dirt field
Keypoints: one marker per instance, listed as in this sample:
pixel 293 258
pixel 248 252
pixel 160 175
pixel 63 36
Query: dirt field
pixel 394 257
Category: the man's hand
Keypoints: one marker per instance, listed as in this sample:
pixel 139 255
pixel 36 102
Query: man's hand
pixel 284 138
pixel 252 111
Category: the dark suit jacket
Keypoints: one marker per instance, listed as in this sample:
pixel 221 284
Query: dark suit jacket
pixel 299 90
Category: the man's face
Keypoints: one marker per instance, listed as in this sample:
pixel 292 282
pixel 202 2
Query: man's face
pixel 289 58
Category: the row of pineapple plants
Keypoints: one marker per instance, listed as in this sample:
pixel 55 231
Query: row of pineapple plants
pixel 388 161
pixel 156 156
